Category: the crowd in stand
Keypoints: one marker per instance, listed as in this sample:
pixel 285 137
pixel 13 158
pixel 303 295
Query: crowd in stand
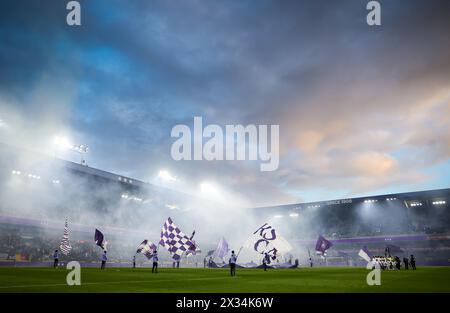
pixel 41 249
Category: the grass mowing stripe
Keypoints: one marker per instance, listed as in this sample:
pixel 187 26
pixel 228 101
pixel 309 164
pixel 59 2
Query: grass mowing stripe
pixel 112 282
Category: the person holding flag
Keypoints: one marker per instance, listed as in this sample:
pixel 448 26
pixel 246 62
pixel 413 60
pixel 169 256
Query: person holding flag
pixel 55 259
pixel 266 260
pixel 232 263
pixel 104 259
pixel 155 262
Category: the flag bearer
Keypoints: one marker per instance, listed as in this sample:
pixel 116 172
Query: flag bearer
pixel 412 261
pixel 266 260
pixel 104 259
pixel 55 259
pixel 406 262
pixel 232 262
pixel 134 261
pixel 155 262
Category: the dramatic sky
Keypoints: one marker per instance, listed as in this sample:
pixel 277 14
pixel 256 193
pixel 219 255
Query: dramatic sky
pixel 362 110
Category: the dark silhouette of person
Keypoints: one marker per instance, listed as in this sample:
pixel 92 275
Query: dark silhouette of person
pixel 55 259
pixel 155 263
pixel 397 263
pixel 412 261
pixel 232 263
pixel 266 261
pixel 406 262
pixel 134 261
pixel 104 258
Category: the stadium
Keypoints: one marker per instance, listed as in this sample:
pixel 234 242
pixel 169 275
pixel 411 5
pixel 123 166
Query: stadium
pixel 414 223
pixel 165 152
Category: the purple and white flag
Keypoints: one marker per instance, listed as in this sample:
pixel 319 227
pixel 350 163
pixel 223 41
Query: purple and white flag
pixel 267 239
pixel 65 246
pixel 99 239
pixel 174 240
pixel 146 248
pixel 222 249
pixel 195 250
pixel 366 251
pixel 322 245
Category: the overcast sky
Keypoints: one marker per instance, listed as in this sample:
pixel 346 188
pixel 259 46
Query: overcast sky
pixel 362 110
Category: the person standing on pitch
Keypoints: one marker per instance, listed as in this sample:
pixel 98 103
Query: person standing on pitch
pixel 55 259
pixel 104 259
pixel 266 260
pixel 412 261
pixel 232 263
pixel 134 261
pixel 155 262
pixel 406 262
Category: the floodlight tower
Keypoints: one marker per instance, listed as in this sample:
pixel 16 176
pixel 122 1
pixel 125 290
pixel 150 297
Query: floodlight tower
pixel 64 143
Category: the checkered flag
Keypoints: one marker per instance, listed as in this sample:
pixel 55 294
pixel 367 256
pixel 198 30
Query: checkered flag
pixel 146 248
pixel 174 240
pixel 65 246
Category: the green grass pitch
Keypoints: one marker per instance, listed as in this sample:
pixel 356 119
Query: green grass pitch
pixel 330 279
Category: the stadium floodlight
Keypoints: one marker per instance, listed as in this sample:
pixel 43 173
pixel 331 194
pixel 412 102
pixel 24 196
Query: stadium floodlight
pixel 56 181
pixel 313 206
pixel 16 172
pixel 62 142
pixel 439 202
pixel 391 199
pixel 293 215
pixel 416 204
pixel 166 176
pixel 370 200
pixel 34 176
pixel 278 216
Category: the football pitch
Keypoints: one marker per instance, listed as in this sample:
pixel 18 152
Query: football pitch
pixel 330 279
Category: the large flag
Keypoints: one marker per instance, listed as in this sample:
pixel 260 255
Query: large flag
pixel 65 246
pixel 195 250
pixel 322 245
pixel 363 254
pixel 366 251
pixel 100 239
pixel 146 248
pixel 222 249
pixel 267 239
pixel 174 240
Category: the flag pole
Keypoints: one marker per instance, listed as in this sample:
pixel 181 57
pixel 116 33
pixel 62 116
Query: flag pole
pixel 239 251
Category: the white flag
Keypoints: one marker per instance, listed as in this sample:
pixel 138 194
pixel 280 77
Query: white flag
pixel 267 239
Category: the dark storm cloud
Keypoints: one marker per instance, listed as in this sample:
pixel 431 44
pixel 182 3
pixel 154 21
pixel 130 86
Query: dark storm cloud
pixel 344 94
